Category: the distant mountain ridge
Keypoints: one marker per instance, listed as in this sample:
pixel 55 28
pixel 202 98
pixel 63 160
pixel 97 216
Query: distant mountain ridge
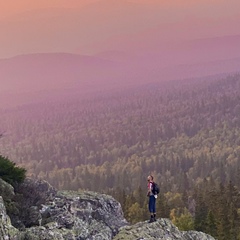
pixel 150 44
pixel 26 78
pixel 125 65
pixel 49 71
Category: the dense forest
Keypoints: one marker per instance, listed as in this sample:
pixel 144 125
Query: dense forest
pixel 185 133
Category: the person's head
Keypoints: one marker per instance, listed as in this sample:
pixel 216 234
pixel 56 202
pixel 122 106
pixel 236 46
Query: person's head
pixel 150 178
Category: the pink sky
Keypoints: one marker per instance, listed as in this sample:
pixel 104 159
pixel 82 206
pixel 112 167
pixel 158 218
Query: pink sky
pixel 83 25
pixel 11 7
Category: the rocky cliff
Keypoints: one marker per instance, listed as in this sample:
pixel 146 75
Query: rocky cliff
pixel 79 215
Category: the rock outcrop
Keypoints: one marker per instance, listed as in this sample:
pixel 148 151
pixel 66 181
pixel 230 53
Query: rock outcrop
pixel 7 231
pixel 69 215
pixel 161 229
pixel 79 215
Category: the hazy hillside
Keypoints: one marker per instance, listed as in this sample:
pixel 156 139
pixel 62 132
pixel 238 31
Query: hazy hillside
pixel 30 78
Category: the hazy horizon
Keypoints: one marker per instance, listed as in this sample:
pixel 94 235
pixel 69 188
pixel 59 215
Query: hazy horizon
pixel 92 45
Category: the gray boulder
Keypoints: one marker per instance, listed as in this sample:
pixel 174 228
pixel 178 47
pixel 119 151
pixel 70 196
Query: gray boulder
pixel 79 215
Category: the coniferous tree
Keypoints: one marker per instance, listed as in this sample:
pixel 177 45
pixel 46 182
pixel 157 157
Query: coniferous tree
pixel 211 224
pixel 201 213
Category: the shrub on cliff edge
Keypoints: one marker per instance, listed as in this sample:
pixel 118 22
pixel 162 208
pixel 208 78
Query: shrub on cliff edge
pixel 10 173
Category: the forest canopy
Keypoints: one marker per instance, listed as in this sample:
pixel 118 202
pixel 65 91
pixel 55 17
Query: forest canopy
pixel 186 133
pixel 181 132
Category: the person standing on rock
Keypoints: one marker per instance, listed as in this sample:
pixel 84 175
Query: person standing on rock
pixel 152 199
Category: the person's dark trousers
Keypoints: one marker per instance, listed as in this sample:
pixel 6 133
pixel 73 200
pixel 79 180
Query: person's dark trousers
pixel 152 208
